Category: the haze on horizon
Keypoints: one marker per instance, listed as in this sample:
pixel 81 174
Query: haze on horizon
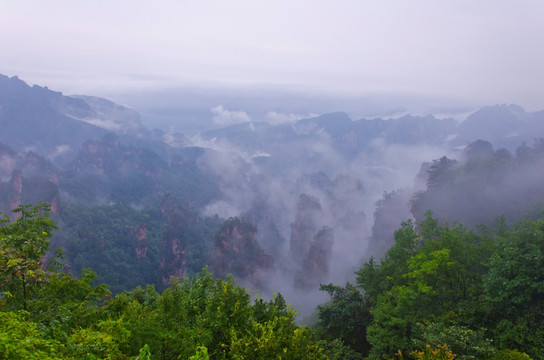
pixel 483 52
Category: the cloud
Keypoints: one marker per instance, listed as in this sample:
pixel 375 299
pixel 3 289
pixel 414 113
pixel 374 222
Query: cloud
pixel 226 117
pixel 59 151
pixel 7 164
pixel 277 118
pixel 221 208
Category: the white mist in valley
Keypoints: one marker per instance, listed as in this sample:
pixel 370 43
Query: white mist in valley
pixel 264 172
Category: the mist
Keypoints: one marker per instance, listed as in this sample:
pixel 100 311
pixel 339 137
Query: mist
pixel 295 175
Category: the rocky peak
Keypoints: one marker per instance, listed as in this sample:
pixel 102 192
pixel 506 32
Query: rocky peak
pixel 238 252
pixel 305 226
pixel 174 247
pixel 16 189
pixel 316 265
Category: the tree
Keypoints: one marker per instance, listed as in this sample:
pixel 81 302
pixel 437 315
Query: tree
pixel 24 244
pixel 345 317
pixel 21 339
pixel 514 289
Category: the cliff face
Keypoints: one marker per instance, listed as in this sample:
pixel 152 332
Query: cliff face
pixel 305 226
pixel 174 252
pixel 106 170
pixel 237 251
pixel 15 190
pixel 140 234
pixel 268 236
pixel 316 265
pixel 109 157
pixel 20 189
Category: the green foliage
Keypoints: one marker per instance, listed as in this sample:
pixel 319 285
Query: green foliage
pixel 24 243
pixel 105 238
pixel 393 319
pixel 201 354
pixel 277 338
pixel 144 354
pixel 441 291
pixel 129 247
pixel 106 339
pixel 375 279
pixel 440 352
pixel 212 314
pixel 345 317
pixel 462 341
pixel 514 289
pixel 21 339
pixel 508 354
pixel 336 350
pixel 446 277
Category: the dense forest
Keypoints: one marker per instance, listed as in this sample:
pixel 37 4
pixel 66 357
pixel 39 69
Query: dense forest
pixel 440 292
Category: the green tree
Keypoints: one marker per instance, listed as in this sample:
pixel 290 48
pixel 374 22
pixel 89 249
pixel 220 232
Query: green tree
pixel 21 339
pixel 466 343
pixel 514 289
pixel 24 243
pixel 345 317
pixel 433 275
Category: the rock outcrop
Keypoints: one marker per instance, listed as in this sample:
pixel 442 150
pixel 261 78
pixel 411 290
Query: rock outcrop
pixel 316 265
pixel 305 227
pixel 237 251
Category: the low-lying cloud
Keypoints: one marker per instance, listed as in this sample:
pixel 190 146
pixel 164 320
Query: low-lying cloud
pixel 224 117
pixel 278 118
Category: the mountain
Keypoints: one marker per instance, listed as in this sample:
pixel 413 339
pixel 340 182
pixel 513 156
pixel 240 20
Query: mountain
pixel 31 120
pixel 503 125
pixel 54 125
pixel 282 206
pixel 104 114
pixel 350 137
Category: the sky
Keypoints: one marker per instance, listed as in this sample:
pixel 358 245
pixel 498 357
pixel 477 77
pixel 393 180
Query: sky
pixel 488 51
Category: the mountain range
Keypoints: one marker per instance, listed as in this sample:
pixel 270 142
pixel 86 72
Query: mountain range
pixel 141 205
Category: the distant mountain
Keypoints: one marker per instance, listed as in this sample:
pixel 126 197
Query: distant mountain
pixel 51 124
pixel 349 137
pixel 502 125
pixel 105 114
pixel 30 119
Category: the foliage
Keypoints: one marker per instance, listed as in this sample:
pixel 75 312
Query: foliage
pixel 201 354
pixel 20 338
pixel 440 352
pixel 24 242
pixel 514 289
pixel 463 341
pixel 345 317
pixel 336 350
pixel 276 338
pixel 129 247
pixel 488 184
pixel 145 353
pixel 440 290
pixel 508 354
pixel 197 318
pixel 476 292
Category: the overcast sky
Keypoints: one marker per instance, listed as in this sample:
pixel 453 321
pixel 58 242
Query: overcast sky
pixel 488 50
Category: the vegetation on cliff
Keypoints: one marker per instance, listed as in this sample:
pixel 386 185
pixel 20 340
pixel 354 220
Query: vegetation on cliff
pixel 49 314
